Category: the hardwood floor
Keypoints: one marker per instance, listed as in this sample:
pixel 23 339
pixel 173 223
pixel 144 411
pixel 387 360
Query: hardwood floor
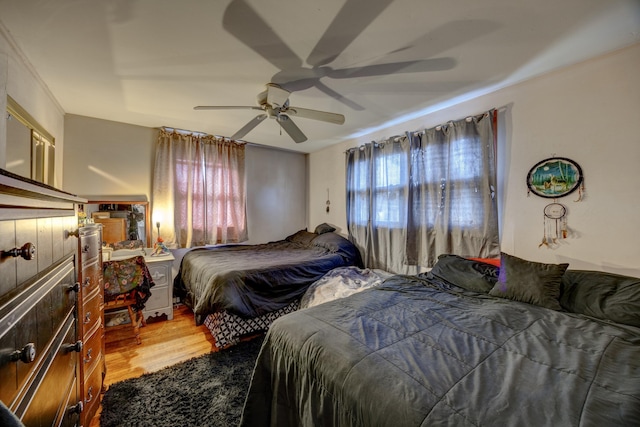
pixel 163 344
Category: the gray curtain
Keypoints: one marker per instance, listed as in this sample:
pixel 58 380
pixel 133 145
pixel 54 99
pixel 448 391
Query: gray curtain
pixel 416 196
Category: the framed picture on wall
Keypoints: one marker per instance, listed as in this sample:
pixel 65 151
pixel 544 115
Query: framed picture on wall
pixel 554 177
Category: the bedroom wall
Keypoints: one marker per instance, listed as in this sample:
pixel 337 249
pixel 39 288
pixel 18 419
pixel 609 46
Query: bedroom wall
pixel 587 112
pixel 110 158
pixel 107 158
pixel 22 83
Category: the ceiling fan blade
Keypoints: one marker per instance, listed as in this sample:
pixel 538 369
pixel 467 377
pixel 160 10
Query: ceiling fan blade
pixel 324 116
pixel 294 131
pixel 276 96
pixel 351 20
pixel 249 126
pixel 338 97
pixel 436 64
pixel 241 21
pixel 226 107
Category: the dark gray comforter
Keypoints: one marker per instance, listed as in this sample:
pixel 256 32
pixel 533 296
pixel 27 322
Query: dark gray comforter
pixel 251 280
pixel 418 353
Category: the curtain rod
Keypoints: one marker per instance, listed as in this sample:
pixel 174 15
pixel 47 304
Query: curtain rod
pixel 397 138
pixel 226 138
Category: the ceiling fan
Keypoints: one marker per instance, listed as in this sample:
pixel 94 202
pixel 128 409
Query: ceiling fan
pixel 274 103
pixel 242 21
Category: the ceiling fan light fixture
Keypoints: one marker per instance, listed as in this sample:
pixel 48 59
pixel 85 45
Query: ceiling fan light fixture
pixel 275 103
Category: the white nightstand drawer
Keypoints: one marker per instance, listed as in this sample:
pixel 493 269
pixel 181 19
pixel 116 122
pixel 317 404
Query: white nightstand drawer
pixel 159 298
pixel 159 274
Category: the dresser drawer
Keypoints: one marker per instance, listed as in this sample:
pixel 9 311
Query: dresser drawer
pixel 57 373
pixel 33 317
pixel 91 277
pixel 70 417
pixel 92 350
pixel 90 243
pixel 91 313
pixel 63 297
pixel 92 389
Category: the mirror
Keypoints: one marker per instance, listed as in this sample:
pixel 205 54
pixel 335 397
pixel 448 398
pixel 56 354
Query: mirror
pixel 30 148
pixel 122 217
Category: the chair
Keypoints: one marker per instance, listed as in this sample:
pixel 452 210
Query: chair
pixel 126 244
pixel 127 286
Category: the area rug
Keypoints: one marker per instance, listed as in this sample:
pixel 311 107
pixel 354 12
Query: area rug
pixel 205 391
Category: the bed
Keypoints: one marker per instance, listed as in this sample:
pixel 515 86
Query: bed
pixel 239 289
pixel 466 344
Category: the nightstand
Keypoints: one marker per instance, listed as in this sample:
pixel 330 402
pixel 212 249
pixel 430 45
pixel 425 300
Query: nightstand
pixel 160 304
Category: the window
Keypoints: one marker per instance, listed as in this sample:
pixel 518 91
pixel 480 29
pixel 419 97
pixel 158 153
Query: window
pixel 30 148
pixel 452 174
pixel 204 197
pixel 415 197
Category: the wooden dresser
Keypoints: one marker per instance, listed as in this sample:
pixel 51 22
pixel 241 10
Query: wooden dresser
pixel 92 367
pixel 41 344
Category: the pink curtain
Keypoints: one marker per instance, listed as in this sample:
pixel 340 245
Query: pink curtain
pixel 199 190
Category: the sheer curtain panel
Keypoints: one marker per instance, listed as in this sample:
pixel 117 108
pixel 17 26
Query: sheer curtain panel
pixel 199 189
pixel 416 196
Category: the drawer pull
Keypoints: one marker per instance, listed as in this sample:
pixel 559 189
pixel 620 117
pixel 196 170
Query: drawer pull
pixel 75 233
pixel 89 395
pixel 87 317
pixel 27 354
pixel 74 288
pixel 88 358
pixel 27 251
pixel 77 347
pixel 85 249
pixel 76 409
pixel 86 282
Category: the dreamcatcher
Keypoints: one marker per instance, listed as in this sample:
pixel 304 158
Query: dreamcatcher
pixel 552 178
pixel 555 224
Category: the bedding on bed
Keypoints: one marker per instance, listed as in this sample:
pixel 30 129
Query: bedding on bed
pixel 419 350
pixel 342 282
pixel 252 280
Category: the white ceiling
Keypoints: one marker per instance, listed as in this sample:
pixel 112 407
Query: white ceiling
pixel 149 62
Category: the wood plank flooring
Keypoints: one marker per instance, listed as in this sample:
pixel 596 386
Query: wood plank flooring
pixel 163 344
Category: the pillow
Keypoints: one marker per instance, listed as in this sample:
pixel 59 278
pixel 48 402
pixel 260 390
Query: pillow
pixel 468 274
pixel 337 244
pixel 324 228
pixel 492 261
pixel 331 241
pixel 602 295
pixel 303 237
pixel 530 282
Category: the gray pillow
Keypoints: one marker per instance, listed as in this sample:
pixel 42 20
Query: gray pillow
pixel 468 274
pixel 602 295
pixel 303 237
pixel 531 282
pixel 324 228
